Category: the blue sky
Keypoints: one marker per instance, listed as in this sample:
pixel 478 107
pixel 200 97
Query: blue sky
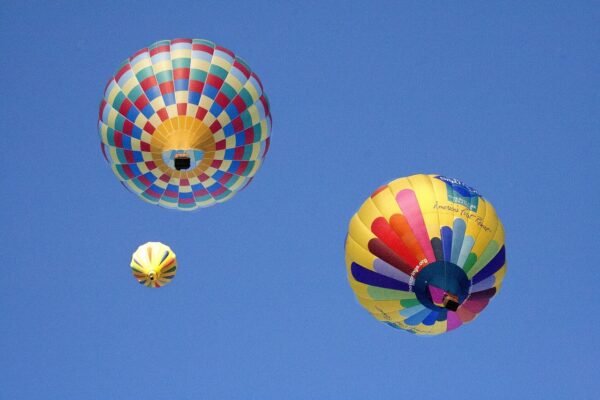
pixel 503 96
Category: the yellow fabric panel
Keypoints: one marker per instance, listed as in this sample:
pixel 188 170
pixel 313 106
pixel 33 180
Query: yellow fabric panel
pixel 488 223
pixel 234 82
pixel 368 212
pixel 221 62
pixel 446 211
pixel 423 189
pixel 359 232
pixel 385 201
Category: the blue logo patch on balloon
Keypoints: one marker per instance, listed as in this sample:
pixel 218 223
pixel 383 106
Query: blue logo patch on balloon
pixel 460 193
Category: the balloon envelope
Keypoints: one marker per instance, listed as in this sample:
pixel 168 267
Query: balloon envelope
pixel 425 254
pixel 154 264
pixel 184 124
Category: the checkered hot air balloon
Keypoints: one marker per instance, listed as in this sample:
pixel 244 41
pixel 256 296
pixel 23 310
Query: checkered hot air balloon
pixel 184 124
pixel 425 254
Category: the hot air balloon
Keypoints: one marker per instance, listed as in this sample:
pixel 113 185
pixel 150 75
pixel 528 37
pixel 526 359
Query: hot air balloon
pixel 184 124
pixel 425 254
pixel 154 264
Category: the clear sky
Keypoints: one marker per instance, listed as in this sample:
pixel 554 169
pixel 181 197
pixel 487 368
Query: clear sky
pixel 503 95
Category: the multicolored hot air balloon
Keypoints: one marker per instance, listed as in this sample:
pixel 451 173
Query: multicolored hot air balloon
pixel 425 254
pixel 154 264
pixel 184 124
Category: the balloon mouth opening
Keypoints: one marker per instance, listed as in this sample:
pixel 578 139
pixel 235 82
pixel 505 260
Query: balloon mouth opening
pixel 182 162
pixel 443 299
pixel 182 159
pixel 182 145
pixel 451 302
pixel 442 285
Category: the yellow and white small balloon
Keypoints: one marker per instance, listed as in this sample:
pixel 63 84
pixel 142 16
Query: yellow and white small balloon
pixel 154 264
